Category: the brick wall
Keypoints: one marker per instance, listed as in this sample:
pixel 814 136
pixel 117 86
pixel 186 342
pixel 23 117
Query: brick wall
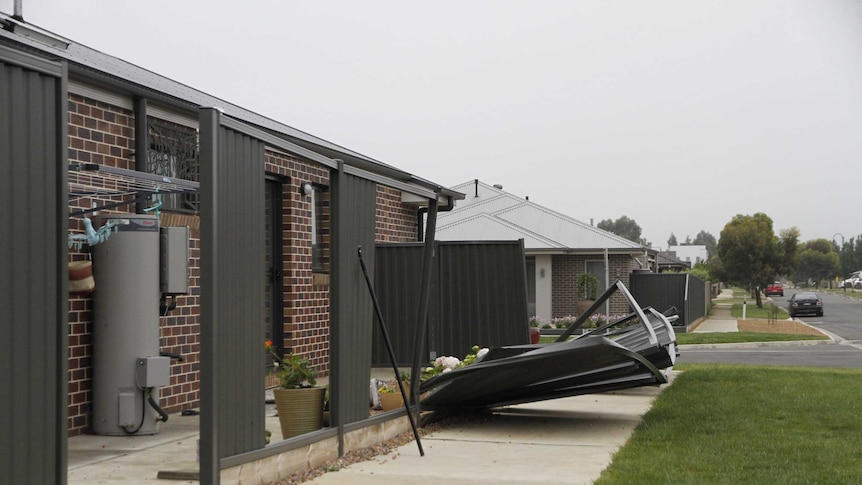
pixel 105 134
pixel 305 295
pixel 396 222
pixel 565 270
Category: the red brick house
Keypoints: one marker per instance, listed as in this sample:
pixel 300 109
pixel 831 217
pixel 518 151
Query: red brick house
pixel 123 116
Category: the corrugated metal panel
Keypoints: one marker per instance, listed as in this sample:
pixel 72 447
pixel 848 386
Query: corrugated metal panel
pixel 232 293
pixel 478 297
pixel 33 264
pixel 352 311
pixel 482 297
pixel 698 296
pixel 397 279
pixel 664 290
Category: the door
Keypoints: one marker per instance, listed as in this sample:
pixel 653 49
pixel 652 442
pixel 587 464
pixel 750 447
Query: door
pixel 273 327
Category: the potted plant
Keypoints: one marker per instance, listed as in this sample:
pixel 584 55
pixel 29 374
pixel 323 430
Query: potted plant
pixel 588 288
pixel 390 396
pixel 298 399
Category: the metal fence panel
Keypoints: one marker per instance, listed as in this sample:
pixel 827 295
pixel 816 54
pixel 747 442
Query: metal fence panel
pixel 352 311
pixel 397 279
pixel 232 300
pixel 33 290
pixel 478 297
pixel 664 290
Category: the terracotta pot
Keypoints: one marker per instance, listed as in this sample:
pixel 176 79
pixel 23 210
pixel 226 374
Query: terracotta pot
pixel 391 400
pixel 300 411
pixel 581 306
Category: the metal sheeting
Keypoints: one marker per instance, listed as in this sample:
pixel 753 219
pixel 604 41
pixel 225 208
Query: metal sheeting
pixel 352 312
pixel 628 352
pixel 478 297
pixel 397 279
pixel 482 290
pixel 33 289
pixel 661 291
pixel 232 293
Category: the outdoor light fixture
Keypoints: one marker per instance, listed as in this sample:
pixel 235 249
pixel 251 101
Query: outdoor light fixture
pixel 305 189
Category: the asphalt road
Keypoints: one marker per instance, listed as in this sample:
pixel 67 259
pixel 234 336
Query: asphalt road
pixel 842 318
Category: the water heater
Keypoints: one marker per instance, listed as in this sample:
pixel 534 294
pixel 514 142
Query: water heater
pixel 127 367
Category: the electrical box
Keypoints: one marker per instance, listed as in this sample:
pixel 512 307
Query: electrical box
pixel 174 260
pixel 126 410
pixel 153 372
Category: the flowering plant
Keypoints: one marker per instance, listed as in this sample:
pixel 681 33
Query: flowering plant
pixel 388 387
pixel 447 363
pixel 293 371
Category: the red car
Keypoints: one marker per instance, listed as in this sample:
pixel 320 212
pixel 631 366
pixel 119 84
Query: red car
pixel 774 289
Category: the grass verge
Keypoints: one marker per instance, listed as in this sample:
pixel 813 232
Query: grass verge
pixel 751 311
pixel 740 337
pixel 726 424
pixel 724 338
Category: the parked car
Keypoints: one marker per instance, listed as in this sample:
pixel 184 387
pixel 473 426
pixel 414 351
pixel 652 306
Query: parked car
pixel 774 289
pixel 854 282
pixel 805 303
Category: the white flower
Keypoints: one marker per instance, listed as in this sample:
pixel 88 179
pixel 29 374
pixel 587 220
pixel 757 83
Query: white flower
pixel 446 370
pixel 450 362
pixel 481 353
pixel 275 364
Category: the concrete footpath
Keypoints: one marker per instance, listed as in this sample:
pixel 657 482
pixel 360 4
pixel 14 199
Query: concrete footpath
pixel 568 440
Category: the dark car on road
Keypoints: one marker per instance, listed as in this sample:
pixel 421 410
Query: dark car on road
pixel 805 303
pixel 774 289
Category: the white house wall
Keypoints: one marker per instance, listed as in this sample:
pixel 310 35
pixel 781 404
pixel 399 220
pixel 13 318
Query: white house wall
pixel 543 286
pixel 693 254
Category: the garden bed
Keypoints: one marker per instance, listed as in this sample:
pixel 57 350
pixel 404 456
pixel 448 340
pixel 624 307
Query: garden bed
pixel 760 325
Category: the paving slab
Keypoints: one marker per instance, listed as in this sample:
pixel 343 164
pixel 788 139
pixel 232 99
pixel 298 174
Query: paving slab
pixel 567 440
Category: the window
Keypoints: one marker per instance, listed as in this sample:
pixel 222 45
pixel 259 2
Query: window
pixel 319 229
pixel 173 152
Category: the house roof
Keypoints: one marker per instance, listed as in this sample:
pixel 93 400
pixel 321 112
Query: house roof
pixel 489 212
pixel 665 259
pixel 106 70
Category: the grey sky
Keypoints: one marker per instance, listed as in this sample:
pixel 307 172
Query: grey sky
pixel 677 114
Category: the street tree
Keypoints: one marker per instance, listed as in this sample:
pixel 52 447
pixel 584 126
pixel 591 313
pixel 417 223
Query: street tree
pixel 672 240
pixel 704 238
pixel 623 227
pixel 749 253
pixel 818 260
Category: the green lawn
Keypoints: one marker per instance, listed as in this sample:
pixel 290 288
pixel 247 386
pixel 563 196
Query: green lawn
pixel 724 424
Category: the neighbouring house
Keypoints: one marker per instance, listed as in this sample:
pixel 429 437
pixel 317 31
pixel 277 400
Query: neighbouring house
pixel 693 253
pixel 128 118
pixel 666 261
pixel 559 248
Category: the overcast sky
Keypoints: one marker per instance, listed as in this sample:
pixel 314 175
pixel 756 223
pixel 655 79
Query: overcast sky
pixel 677 114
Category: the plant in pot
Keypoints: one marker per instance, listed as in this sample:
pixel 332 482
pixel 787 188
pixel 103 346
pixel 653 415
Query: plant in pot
pixel 390 396
pixel 298 399
pixel 588 288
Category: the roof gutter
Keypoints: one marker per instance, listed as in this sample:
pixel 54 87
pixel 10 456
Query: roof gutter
pixel 420 216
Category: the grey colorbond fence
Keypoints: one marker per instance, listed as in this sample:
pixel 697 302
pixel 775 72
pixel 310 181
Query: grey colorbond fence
pixel 661 291
pixel 232 294
pixel 33 264
pixel 478 297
